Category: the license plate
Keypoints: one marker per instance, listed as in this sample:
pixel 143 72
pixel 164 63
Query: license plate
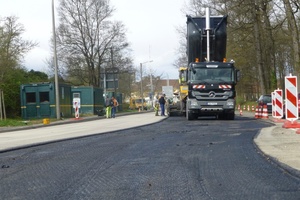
pixel 212 103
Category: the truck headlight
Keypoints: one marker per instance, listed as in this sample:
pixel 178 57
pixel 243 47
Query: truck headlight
pixel 230 103
pixel 194 103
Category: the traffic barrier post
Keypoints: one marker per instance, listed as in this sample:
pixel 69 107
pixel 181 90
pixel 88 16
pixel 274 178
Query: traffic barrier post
pixel 265 112
pixel 257 112
pixel 291 106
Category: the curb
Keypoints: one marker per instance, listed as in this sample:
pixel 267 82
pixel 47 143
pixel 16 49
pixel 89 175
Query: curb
pixel 64 121
pixel 75 137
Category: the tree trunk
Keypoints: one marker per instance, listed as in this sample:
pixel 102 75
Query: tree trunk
pixel 258 49
pixel 294 34
pixel 269 54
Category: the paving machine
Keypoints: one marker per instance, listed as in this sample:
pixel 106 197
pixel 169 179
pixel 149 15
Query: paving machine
pixel 178 102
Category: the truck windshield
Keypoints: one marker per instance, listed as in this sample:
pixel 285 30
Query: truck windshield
pixel 209 74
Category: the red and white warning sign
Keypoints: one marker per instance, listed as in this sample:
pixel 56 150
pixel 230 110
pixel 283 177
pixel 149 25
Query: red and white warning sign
pixel 277 104
pixel 76 106
pixel 76 110
pixel 273 103
pixel 291 104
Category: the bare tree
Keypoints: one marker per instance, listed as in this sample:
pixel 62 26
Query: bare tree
pixel 181 61
pixel 258 43
pixel 86 37
pixel 294 32
pixel 12 46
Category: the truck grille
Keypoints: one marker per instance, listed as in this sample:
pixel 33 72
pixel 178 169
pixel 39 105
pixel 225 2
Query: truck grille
pixel 210 95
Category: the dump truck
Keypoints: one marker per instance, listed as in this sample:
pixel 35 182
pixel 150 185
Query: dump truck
pixel 210 79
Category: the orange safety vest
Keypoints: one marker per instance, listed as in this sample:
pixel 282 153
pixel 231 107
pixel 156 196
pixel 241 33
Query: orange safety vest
pixel 116 102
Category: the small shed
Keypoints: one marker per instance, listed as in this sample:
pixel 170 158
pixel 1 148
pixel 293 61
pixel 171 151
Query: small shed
pixel 38 100
pixel 91 99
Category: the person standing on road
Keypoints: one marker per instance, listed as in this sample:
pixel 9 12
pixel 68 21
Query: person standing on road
pixel 162 103
pixel 108 105
pixel 114 107
pixel 156 108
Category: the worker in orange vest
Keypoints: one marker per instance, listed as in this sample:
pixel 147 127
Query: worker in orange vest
pixel 114 107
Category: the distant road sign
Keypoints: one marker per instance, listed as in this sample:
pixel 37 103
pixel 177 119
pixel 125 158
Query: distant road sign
pixel 168 91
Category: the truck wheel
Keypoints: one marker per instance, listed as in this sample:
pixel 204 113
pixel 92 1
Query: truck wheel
pixel 220 116
pixel 230 116
pixel 189 116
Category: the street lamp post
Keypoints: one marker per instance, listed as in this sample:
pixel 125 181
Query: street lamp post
pixel 141 69
pixel 55 65
pixel 104 82
pixel 151 90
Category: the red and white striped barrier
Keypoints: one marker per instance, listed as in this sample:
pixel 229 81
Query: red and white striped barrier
pixel 225 86
pixel 76 106
pixel 278 104
pixel 257 112
pixel 264 114
pixel 198 86
pixel 76 110
pixel 291 106
pixel 273 103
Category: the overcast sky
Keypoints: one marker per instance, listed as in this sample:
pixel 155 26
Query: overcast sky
pixel 151 30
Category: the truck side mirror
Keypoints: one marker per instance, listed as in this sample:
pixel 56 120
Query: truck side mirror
pixel 182 76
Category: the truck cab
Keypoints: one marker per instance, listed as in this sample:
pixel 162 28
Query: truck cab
pixel 211 87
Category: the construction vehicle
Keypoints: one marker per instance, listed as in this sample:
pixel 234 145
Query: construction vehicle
pixel 177 104
pixel 137 103
pixel 209 77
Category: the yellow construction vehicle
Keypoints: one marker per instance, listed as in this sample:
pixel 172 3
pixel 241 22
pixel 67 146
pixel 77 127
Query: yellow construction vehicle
pixel 137 103
pixel 177 104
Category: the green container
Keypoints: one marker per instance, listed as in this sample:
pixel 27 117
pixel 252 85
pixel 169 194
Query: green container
pixel 38 100
pixel 91 99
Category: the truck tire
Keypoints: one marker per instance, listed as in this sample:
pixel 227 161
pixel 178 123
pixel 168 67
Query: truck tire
pixel 230 116
pixel 220 116
pixel 189 115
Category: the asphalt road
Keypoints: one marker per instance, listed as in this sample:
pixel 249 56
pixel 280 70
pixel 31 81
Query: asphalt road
pixel 173 159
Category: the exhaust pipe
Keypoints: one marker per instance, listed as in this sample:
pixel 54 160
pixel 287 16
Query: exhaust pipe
pixel 208 33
